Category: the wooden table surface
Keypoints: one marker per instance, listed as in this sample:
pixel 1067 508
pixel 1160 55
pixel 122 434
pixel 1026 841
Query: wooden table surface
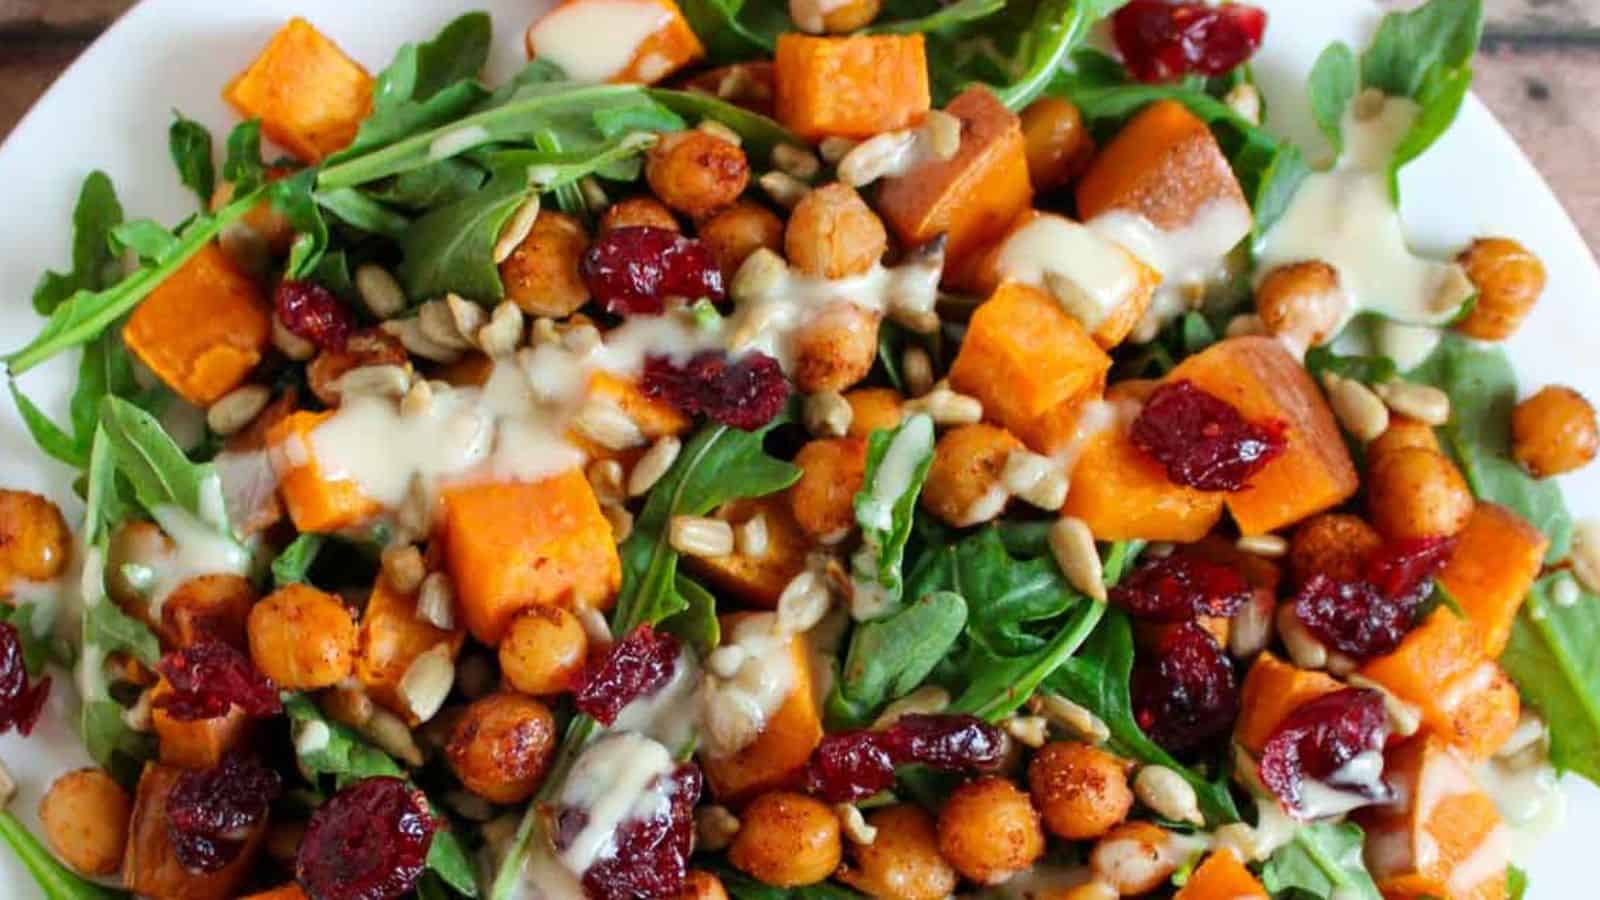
pixel 1541 59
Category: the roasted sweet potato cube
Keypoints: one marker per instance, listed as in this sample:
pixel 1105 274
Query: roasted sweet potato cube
pixel 1272 690
pixel 316 503
pixel 200 744
pixel 1222 877
pixel 1031 364
pixel 391 638
pixel 1465 697
pixel 1123 495
pixel 971 198
pixel 653 34
pixel 852 87
pixel 1494 564
pixel 202 330
pixel 1445 838
pixel 656 418
pixel 309 96
pixel 512 546
pixel 780 753
pixel 1165 166
pixel 150 866
pixel 757 580
pixel 1264 382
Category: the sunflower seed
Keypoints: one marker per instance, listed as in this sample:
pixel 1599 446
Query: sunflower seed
pixel 517 229
pixel 1030 731
pixel 924 701
pixel 1071 717
pixel 784 189
pixel 1269 546
pixel 436 601
pixel 653 465
pixel 427 681
pixel 291 345
pixel 1168 795
pixel 714 828
pixel 828 414
pixel 834 149
pixel 235 411
pixel 796 161
pixel 604 423
pixel 503 333
pixel 1357 408
pixel 1072 544
pixel 700 536
pixel 387 381
pixel 1304 649
pixel 379 291
pixel 917 367
pixel 402 565
pixel 720 131
pixel 605 478
pixel 855 825
pixel 1422 402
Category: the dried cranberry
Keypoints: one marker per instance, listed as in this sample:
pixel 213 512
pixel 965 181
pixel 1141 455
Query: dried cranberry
pixel 209 678
pixel 636 666
pixel 1202 441
pixel 746 393
pixel 210 812
pixel 849 766
pixel 632 270
pixel 1178 587
pixel 1187 694
pixel 20 701
pixel 1369 617
pixel 1164 41
pixel 1403 569
pixel 1319 739
pixel 370 842
pixel 652 853
pixel 853 765
pixel 312 312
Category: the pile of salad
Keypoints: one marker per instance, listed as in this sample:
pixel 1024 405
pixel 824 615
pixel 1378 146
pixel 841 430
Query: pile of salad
pixel 876 448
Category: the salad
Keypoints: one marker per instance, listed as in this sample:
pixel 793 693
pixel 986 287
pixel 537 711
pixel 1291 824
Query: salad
pixel 879 448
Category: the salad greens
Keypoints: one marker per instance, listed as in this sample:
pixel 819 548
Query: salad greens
pixel 1322 861
pixel 1551 658
pixel 190 145
pixel 897 465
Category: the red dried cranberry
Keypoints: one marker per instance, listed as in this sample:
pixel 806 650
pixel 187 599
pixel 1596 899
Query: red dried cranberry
pixel 849 766
pixel 1353 617
pixel 370 842
pixel 746 393
pixel 210 812
pixel 636 666
pixel 1319 739
pixel 20 701
pixel 652 853
pixel 1164 41
pixel 209 678
pixel 312 312
pixel 1186 695
pixel 1403 569
pixel 632 270
pixel 853 765
pixel 1179 587
pixel 1201 440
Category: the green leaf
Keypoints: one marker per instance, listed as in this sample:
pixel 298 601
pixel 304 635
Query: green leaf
pixel 1056 29
pixel 697 624
pixel 149 240
pixel 94 265
pixel 432 185
pixel 293 564
pixel 736 30
pixel 157 468
pixel 1551 658
pixel 1374 369
pixel 1332 86
pixel 189 142
pixel 1516 883
pixel 1322 860
pixel 111 630
pixel 898 460
pixel 55 442
pixel 55 880
pixel 242 168
pixel 758 133
pixel 891 657
pixel 451 250
pixel 962 12
pixel 295 197
pixel 39 646
pixel 358 210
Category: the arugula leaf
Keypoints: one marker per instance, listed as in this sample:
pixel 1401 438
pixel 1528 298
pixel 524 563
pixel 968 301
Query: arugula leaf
pixel 961 12
pixel 758 133
pixel 242 167
pixel 149 240
pixel 292 565
pixel 1365 369
pixel 697 624
pixel 1483 390
pixel 451 249
pixel 734 30
pixel 56 443
pixel 1332 86
pixel 898 460
pixel 55 880
pixel 39 646
pixel 296 199
pixel 361 211
pixel 1323 860
pixel 1551 658
pixel 157 468
pixel 1047 41
pixel 891 657
pixel 94 265
pixel 189 142
pixel 429 186
pixel 1516 883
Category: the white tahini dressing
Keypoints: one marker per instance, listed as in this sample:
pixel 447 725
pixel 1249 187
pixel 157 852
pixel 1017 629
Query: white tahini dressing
pixel 1088 273
pixel 911 448
pixel 1530 801
pixel 747 685
pixel 1345 218
pixel 670 715
pixel 595 41
pixel 1189 259
pixel 619 778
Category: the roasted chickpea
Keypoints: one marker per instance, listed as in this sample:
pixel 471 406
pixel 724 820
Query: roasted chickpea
pixel 835 349
pixel 1554 431
pixel 787 840
pixel 1333 544
pixel 1509 280
pixel 903 863
pixel 541 276
pixel 1081 790
pixel 638 211
pixel 833 234
pixel 210 606
pixel 501 746
pixel 1134 858
pixel 823 500
pixel 302 638
pixel 34 539
pixel 543 651
pixel 1302 302
pixel 365 348
pixel 1059 147
pixel 696 173
pixel 964 485
pixel 1417 493
pixel 702 885
pixel 989 831
pixel 85 816
pixel 140 543
pixel 738 231
pixel 1402 432
pixel 872 409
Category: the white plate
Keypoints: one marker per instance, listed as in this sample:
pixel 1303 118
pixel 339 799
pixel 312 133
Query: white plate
pixel 111 109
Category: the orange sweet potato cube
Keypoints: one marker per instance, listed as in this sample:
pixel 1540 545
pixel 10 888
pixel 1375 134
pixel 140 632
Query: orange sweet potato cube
pixel 780 753
pixel 655 417
pixel 971 198
pixel 512 546
pixel 669 45
pixel 391 638
pixel 1164 165
pixel 200 744
pixel 1123 495
pixel 1465 697
pixel 1445 839
pixel 1031 364
pixel 309 96
pixel 1260 379
pixel 316 503
pixel 150 866
pixel 757 580
pixel 1494 564
pixel 852 87
pixel 202 330
pixel 1222 877
pixel 1272 690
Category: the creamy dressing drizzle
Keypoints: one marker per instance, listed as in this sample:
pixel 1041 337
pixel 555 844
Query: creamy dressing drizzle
pixel 1189 259
pixel 595 41
pixel 757 687
pixel 1530 800
pixel 671 714
pixel 911 447
pixel 1097 274
pixel 618 778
